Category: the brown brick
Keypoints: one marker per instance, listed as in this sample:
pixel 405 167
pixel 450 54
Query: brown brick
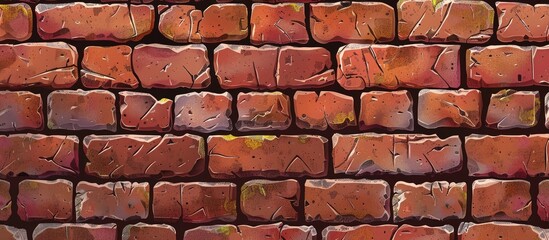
pixel 16 22
pixel 276 231
pixel 430 200
pixel 38 155
pixel 500 230
pixel 408 154
pixel 279 24
pixel 195 202
pixel 264 200
pixel 267 156
pixel 543 200
pixel 108 67
pixel 387 110
pixel 112 200
pixel 500 156
pixel 132 156
pixel 445 21
pixel 45 200
pixel 522 22
pixel 352 22
pixel 501 200
pixel 165 66
pixel 362 65
pixel 347 200
pixel 20 111
pixel 142 112
pixel 5 201
pixel 93 22
pixel 449 108
pixel 82 110
pixel 203 112
pixel 509 108
pixel 318 111
pixel 142 231
pixel 12 233
pixel 263 111
pixel 388 232
pixel 52 64
pixel 80 231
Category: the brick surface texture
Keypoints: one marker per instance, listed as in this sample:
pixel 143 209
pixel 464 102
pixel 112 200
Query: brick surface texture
pixel 274 120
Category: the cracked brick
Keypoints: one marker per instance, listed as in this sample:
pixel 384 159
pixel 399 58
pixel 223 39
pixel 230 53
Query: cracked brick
pixel 278 24
pixel 509 108
pixel 142 231
pixel 388 232
pixel 203 112
pixel 496 200
pixel 522 22
pixel 318 111
pixel 386 110
pixel 280 200
pixel 69 231
pixel 275 231
pixel 12 233
pixel 5 201
pixel 543 200
pixel 263 111
pixel 17 22
pixel 304 67
pixel 500 230
pixel 449 108
pixel 108 67
pixel 142 112
pixel 20 110
pixel 40 200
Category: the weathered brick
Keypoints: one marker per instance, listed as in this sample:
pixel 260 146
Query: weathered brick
pixel 304 67
pixel 430 200
pixel 108 67
pixel 263 111
pixel 267 156
pixel 132 156
pixel 388 232
pixel 547 111
pixel 543 200
pixel 142 112
pixel 5 201
pixel 82 110
pixel 388 110
pixel 509 108
pixel 408 154
pixel 38 155
pixel 195 202
pixel 80 231
pixel 12 233
pixel 203 112
pixel 522 22
pixel 352 22
pixel 347 200
pixel 500 156
pixel 176 23
pixel 445 21
pixel 93 22
pixel 449 108
pixel 16 23
pixel 279 24
pixel 318 111
pixel 501 200
pixel 500 230
pixel 45 200
pixel 52 64
pixel 275 231
pixel 112 200
pixel 279 200
pixel 166 66
pixel 410 66
pixel 20 110
pixel 142 231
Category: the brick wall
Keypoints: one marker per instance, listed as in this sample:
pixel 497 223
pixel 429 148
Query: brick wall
pixel 176 119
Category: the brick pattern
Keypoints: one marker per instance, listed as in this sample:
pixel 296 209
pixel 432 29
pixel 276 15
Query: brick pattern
pixel 274 119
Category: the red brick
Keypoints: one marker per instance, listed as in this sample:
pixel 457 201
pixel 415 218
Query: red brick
pixel 362 65
pixel 45 200
pixel 352 22
pixel 108 67
pixel 547 111
pixel 263 111
pixel 500 156
pixel 93 22
pixel 501 200
pixel 203 112
pixel 195 202
pixel 522 22
pixel 132 156
pixel 20 111
pixel 439 200
pixel 513 109
pixel 52 64
pixel 445 21
pixel 16 22
pixel 12 233
pixel 80 231
pixel 279 24
pixel 387 110
pixel 500 230
pixel 408 154
pixel 50 155
pixel 82 110
pixel 267 156
pixel 388 232
pixel 543 200
pixel 318 111
pixel 264 200
pixel 112 200
pixel 449 108
pixel 176 24
pixel 5 201
pixel 347 200
pixel 166 66
pixel 142 112
pixel 276 231
pixel 142 231
pixel 304 67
